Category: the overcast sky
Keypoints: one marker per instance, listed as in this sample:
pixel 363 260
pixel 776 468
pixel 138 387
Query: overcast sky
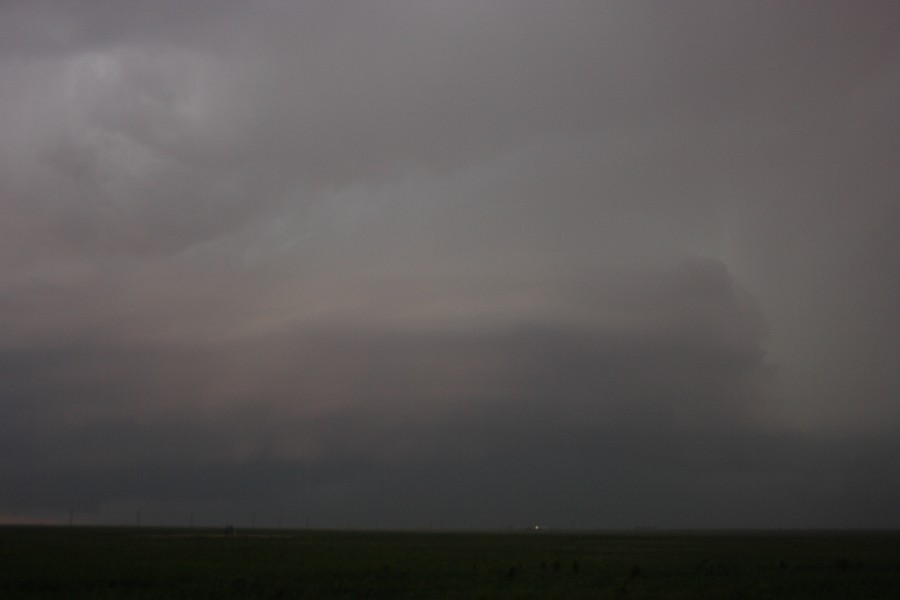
pixel 450 264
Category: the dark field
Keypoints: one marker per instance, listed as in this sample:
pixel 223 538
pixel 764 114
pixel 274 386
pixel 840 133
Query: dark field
pixel 72 562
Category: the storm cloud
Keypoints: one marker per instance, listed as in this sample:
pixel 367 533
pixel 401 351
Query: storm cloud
pixel 414 264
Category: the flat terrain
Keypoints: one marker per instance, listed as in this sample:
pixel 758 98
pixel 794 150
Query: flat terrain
pixel 73 562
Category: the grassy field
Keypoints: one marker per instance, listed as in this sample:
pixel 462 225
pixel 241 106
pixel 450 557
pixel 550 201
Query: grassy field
pixel 73 562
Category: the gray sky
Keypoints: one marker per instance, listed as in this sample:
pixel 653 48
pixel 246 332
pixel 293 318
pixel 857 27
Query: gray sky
pixel 450 264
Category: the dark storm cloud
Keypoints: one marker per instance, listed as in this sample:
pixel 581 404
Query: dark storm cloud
pixel 459 263
pixel 438 414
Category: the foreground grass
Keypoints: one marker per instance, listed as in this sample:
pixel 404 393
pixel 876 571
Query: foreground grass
pixel 61 562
